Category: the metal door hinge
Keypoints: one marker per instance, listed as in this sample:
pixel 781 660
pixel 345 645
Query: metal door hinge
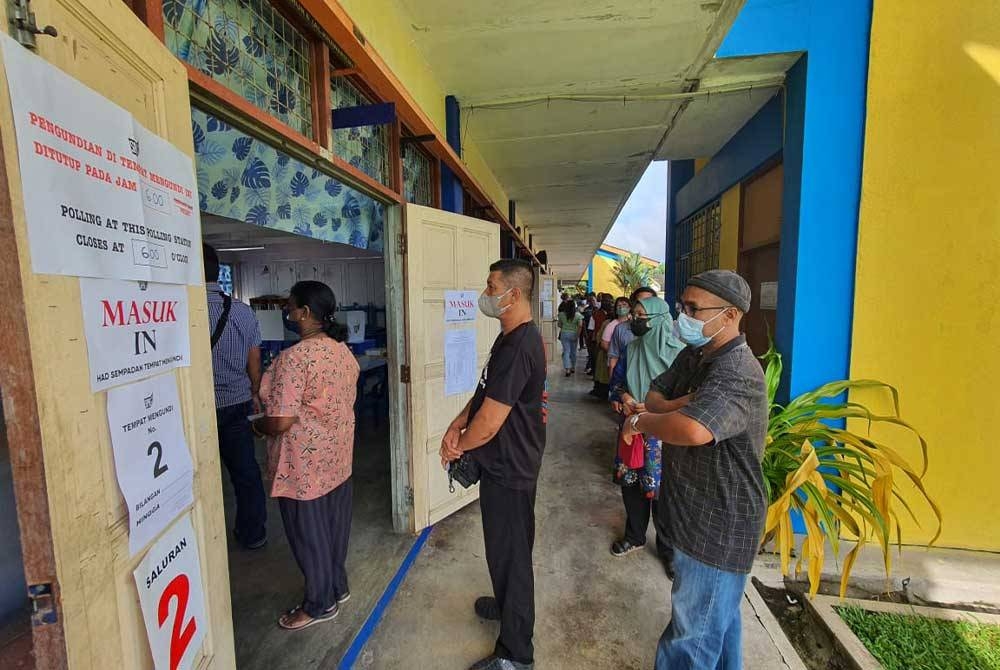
pixel 23 26
pixel 401 244
pixel 43 605
pixel 404 374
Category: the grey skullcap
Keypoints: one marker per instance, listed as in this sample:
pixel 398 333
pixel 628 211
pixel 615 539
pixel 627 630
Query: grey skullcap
pixel 727 285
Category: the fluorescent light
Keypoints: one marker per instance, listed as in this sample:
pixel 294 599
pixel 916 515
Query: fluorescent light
pixel 240 248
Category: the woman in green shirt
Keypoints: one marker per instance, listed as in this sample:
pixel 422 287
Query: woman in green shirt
pixel 570 322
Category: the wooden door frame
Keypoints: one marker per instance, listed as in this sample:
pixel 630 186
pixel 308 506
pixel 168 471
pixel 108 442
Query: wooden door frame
pixel 397 325
pixel 24 438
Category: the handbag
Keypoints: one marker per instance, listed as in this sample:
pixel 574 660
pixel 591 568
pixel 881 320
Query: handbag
pixel 464 470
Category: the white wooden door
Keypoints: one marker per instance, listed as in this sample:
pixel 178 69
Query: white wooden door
pixel 445 252
pixel 107 48
pixel 544 306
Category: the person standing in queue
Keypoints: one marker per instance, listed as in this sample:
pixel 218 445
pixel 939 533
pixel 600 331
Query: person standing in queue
pixel 503 429
pixel 308 395
pixel 710 410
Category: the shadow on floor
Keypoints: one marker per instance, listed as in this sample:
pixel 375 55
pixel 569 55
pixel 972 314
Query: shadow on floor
pixel 265 582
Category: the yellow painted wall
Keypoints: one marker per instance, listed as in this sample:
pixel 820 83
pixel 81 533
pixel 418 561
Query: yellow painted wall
pixel 391 35
pixel 729 240
pixel 926 315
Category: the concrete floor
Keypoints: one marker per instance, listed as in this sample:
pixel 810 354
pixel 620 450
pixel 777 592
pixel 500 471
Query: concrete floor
pixel 592 610
pixel 266 582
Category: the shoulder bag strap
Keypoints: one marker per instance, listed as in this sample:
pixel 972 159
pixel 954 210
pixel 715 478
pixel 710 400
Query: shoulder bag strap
pixel 227 303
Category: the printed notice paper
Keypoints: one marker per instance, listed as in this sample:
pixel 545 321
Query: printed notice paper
pixel 460 306
pixel 103 196
pixel 133 332
pixel 172 598
pixel 152 461
pixel 460 373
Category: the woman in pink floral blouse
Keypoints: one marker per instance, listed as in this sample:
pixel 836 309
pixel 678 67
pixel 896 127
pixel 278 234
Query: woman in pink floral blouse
pixel 308 395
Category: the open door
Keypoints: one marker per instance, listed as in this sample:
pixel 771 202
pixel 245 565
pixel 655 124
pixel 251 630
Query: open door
pixel 73 521
pixel 445 252
pixel 544 311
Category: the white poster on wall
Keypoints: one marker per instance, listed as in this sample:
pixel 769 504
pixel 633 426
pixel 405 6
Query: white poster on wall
pixel 172 598
pixel 546 290
pixel 460 306
pixel 152 461
pixel 103 196
pixel 134 330
pixel 460 371
pixel 769 295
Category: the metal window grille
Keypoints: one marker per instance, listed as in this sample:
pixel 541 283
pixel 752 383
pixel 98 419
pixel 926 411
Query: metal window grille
pixel 417 177
pixel 364 147
pixel 697 247
pixel 249 47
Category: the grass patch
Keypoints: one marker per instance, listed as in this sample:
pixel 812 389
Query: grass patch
pixel 911 642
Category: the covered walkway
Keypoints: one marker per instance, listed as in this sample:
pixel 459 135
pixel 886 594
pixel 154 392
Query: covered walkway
pixel 592 610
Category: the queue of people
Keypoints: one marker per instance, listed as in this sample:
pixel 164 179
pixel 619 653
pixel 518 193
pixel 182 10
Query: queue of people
pixel 692 403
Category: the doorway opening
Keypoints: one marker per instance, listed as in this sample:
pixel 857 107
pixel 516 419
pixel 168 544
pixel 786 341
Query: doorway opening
pixel 258 266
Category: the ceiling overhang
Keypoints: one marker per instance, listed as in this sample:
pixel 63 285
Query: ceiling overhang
pixel 569 102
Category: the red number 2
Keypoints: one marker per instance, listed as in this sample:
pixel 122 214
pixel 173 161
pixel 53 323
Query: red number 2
pixel 180 588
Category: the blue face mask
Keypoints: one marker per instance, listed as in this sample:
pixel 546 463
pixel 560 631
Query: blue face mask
pixel 289 324
pixel 691 331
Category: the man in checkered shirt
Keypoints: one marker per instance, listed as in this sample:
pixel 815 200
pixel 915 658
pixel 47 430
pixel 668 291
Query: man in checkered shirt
pixel 710 410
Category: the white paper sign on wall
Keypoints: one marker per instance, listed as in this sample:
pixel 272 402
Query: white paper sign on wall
pixel 769 295
pixel 460 306
pixel 133 332
pixel 152 461
pixel 103 196
pixel 172 598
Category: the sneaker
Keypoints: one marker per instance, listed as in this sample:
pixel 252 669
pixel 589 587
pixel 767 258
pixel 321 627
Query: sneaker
pixel 257 544
pixel 497 663
pixel 487 608
pixel 343 597
pixel 622 547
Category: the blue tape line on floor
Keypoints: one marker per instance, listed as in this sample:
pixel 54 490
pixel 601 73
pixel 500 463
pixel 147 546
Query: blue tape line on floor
pixel 371 623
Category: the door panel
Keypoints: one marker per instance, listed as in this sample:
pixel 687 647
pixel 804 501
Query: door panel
pixel 760 247
pixel 106 47
pixel 445 252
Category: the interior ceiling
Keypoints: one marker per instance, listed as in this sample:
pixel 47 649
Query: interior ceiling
pixel 571 164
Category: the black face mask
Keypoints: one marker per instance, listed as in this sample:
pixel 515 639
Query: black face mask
pixel 289 324
pixel 639 327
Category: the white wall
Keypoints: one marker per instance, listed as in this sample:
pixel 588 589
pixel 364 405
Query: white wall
pixel 353 281
pixel 356 276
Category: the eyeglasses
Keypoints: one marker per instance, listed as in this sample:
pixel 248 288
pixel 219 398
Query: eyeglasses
pixel 691 310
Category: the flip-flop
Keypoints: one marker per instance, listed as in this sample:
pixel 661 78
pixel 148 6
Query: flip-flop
pixel 329 615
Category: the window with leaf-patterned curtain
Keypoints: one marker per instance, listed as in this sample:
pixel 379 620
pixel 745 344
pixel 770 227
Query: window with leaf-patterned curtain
pixel 418 179
pixel 249 47
pixel 364 147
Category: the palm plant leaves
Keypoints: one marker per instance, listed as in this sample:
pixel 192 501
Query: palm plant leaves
pixel 631 271
pixel 843 483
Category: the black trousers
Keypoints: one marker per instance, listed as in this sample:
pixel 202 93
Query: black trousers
pixel 509 530
pixel 236 449
pixel 638 509
pixel 318 531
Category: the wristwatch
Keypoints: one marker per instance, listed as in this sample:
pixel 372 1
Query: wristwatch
pixel 635 421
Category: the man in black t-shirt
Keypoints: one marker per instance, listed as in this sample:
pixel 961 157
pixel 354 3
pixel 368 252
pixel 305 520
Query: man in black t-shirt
pixel 503 427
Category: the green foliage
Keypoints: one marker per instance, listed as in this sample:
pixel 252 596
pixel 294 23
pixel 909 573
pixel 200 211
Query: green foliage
pixel 911 642
pixel 843 483
pixel 631 272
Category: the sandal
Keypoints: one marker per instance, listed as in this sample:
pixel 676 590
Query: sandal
pixel 329 615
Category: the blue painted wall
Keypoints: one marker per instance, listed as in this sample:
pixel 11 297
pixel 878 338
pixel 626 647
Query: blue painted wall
pixel 679 173
pixel 451 186
pixel 756 142
pixel 823 148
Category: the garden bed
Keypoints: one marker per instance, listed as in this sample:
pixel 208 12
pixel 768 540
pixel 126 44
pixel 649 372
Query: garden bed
pixel 904 641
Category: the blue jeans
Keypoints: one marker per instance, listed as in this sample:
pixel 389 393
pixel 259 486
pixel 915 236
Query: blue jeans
pixel 237 451
pixel 569 342
pixel 705 629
